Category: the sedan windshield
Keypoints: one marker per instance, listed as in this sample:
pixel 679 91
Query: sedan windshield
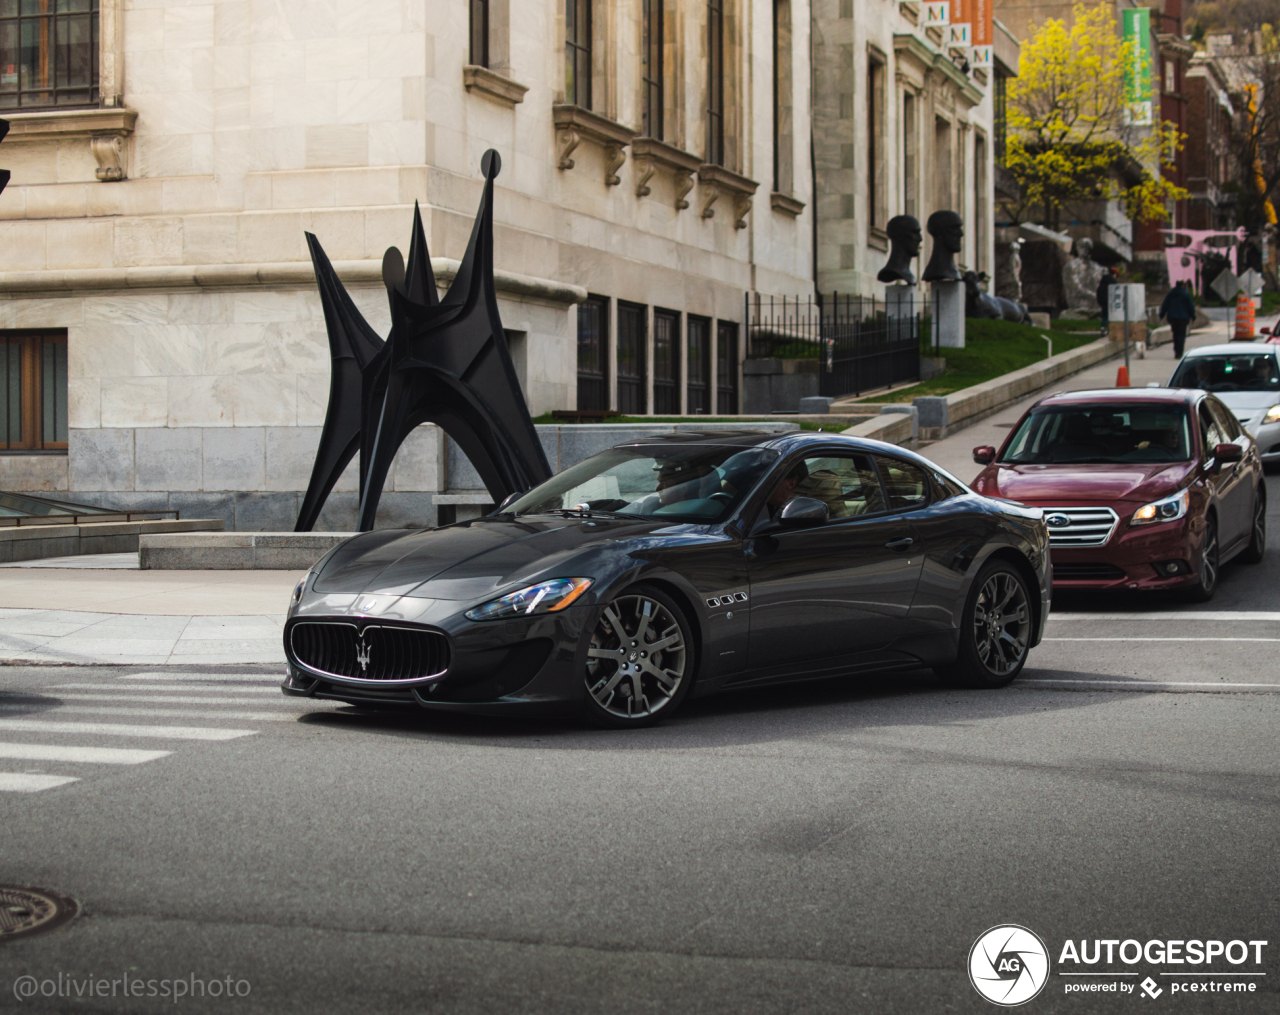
pixel 1101 433
pixel 686 483
pixel 1249 372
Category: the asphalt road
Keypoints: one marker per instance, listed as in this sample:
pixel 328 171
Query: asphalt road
pixel 830 848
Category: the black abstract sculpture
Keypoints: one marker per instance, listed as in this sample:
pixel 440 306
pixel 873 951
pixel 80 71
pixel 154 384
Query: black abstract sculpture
pixel 947 230
pixel 4 173
pixel 904 246
pixel 444 362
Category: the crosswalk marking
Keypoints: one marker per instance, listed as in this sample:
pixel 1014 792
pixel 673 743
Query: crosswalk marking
pixel 183 700
pixel 171 687
pixel 22 782
pixel 89 755
pixel 119 730
pixel 178 713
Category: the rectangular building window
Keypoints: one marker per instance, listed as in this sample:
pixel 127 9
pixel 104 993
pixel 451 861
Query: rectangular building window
pixel 651 68
pixel 980 209
pixel 48 53
pixel 715 82
pixel 942 165
pixel 666 362
pixel 480 32
pixel 33 392
pixel 1000 119
pixel 910 156
pixel 593 353
pixel 877 192
pixel 577 53
pixel 698 366
pixel 783 138
pixel 633 379
pixel 727 368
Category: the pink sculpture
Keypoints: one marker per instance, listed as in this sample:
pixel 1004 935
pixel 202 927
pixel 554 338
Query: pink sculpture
pixel 1184 262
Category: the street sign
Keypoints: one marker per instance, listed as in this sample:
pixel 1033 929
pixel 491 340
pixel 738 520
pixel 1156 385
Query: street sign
pixel 1226 285
pixel 1251 282
pixel 1131 296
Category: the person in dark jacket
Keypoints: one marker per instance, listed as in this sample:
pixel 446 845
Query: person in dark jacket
pixel 1108 280
pixel 1180 310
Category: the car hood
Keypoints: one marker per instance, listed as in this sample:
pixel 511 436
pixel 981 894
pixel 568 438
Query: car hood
pixel 1248 404
pixel 1051 484
pixel 472 560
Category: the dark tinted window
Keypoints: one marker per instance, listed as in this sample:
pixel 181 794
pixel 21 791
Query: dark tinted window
pixel 1101 433
pixel 593 351
pixel 1246 372
pixel 666 362
pixel 632 365
pixel 1226 421
pixel 905 485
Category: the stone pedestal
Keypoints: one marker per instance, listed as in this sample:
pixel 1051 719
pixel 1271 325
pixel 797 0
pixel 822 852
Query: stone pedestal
pixel 1137 331
pixel 902 306
pixel 947 304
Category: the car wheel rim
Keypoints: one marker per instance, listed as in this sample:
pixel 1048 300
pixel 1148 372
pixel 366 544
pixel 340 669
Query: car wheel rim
pixel 1209 559
pixel 1001 623
pixel 1259 524
pixel 637 658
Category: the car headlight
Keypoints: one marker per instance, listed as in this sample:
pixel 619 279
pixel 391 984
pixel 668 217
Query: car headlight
pixel 545 597
pixel 1167 510
pixel 1273 415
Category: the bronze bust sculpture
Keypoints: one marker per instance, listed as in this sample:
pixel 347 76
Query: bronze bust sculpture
pixel 905 239
pixel 947 230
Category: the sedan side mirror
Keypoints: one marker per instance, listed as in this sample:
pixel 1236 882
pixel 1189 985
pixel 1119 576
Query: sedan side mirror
pixel 801 511
pixel 1228 453
pixel 985 454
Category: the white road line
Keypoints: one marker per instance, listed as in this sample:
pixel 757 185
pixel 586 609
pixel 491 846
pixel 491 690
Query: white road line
pixel 161 698
pixel 1214 616
pixel 191 689
pixel 177 713
pixel 20 782
pixel 116 730
pixel 88 755
pixel 1145 685
pixel 173 675
pixel 1162 639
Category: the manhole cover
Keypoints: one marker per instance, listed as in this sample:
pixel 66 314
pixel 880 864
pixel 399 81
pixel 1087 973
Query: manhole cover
pixel 25 911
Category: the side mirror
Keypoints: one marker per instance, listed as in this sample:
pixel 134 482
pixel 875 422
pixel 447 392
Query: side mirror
pixel 1228 452
pixel 508 500
pixel 984 454
pixel 801 511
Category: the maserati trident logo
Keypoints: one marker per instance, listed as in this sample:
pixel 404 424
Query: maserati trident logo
pixel 1056 521
pixel 362 655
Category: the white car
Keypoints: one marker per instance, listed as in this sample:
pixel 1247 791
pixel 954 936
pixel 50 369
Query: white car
pixel 1246 377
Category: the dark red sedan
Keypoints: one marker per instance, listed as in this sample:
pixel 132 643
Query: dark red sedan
pixel 1147 488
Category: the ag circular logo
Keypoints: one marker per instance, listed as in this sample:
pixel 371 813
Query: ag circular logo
pixel 1009 965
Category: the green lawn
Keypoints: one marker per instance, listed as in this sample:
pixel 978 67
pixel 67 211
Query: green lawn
pixel 992 348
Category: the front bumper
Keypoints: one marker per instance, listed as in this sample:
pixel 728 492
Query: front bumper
pixel 1128 559
pixel 1268 438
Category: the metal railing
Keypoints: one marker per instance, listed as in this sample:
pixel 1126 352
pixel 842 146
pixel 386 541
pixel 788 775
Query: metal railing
pixel 861 343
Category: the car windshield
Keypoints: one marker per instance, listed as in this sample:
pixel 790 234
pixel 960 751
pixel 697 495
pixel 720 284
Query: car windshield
pixel 1246 372
pixel 1101 433
pixel 686 483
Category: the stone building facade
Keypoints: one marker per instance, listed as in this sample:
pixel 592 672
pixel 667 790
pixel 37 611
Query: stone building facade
pixel 157 306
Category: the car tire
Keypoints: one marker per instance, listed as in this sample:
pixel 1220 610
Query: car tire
pixel 1210 565
pixel 1253 553
pixel 994 639
pixel 639 659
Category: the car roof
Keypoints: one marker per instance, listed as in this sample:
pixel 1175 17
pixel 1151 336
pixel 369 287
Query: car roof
pixel 742 438
pixel 1174 396
pixel 785 442
pixel 1234 349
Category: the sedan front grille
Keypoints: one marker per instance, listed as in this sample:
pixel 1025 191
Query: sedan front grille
pixel 1087 573
pixel 377 653
pixel 1079 526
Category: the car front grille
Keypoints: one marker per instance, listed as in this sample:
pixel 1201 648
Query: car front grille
pixel 1079 526
pixel 377 653
pixel 1087 573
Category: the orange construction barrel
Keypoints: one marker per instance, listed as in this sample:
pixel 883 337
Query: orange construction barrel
pixel 1244 318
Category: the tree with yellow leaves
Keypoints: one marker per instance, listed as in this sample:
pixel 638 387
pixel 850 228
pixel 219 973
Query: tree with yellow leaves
pixel 1069 139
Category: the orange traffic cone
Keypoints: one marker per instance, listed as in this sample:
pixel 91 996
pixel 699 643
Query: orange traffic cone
pixel 1122 377
pixel 1244 318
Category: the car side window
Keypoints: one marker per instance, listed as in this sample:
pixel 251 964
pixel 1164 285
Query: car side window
pixel 905 485
pixel 944 488
pixel 1227 423
pixel 1210 433
pixel 847 484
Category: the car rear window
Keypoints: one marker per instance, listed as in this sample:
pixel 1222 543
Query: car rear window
pixel 1246 372
pixel 1055 434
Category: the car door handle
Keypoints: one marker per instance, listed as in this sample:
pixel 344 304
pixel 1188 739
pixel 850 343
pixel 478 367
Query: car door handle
pixel 899 544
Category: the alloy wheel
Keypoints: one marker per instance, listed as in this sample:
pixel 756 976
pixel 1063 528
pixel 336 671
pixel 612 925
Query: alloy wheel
pixel 1209 559
pixel 637 659
pixel 1259 523
pixel 1002 623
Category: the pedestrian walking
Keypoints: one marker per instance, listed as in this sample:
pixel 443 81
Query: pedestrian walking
pixel 1104 294
pixel 1180 310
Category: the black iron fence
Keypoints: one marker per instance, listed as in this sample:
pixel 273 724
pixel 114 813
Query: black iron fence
pixel 861 343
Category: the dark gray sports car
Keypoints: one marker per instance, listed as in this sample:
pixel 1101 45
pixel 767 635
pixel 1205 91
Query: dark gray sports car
pixel 677 565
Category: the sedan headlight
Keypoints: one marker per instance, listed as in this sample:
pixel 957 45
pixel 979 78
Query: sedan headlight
pixel 1167 510
pixel 1273 415
pixel 299 589
pixel 545 597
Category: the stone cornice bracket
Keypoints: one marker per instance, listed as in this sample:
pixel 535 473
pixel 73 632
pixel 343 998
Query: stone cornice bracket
pixel 786 204
pixel 573 123
pixel 483 81
pixel 736 187
pixel 108 152
pixel 104 129
pixel 650 155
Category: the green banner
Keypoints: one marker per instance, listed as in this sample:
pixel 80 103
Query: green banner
pixel 1139 96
